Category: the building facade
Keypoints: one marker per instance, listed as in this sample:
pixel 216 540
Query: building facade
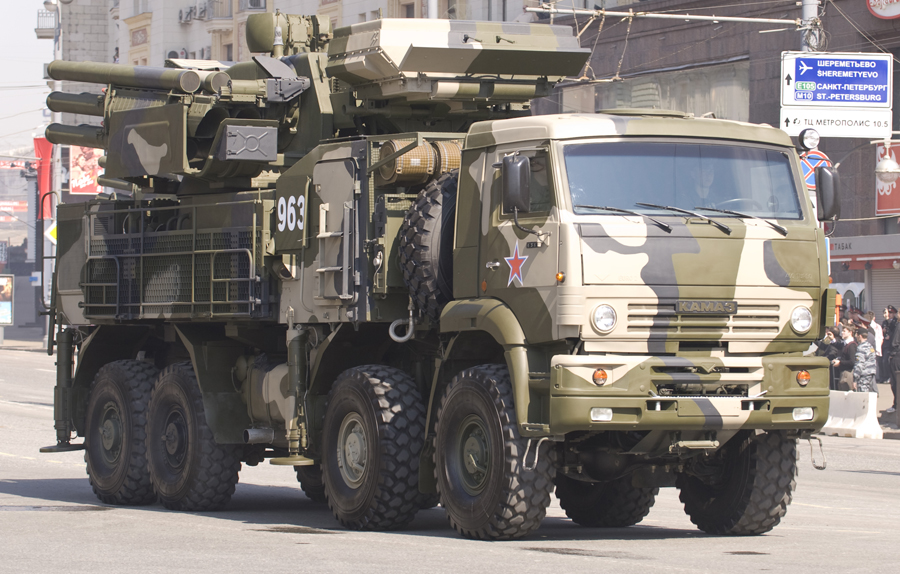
pixel 733 71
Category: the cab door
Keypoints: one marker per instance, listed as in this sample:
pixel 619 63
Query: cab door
pixel 518 267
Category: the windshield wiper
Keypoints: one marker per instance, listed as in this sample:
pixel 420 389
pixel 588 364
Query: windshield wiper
pixel 775 226
pixel 721 226
pixel 664 226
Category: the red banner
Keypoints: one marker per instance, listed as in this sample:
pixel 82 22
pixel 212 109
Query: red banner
pixel 84 170
pixel 43 150
pixel 887 195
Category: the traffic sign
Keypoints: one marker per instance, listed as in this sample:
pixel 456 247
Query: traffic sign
pixel 839 123
pixel 809 162
pixel 836 80
pixel 50 233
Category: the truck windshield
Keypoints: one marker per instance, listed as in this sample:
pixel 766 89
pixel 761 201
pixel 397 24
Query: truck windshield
pixel 750 180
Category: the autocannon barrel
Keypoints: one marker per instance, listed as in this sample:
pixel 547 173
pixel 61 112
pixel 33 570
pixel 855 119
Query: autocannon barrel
pixel 86 136
pixel 187 81
pixel 85 104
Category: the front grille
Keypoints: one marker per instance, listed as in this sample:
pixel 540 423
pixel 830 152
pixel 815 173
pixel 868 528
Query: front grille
pixel 661 318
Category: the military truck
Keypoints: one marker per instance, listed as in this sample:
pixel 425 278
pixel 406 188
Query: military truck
pixel 360 256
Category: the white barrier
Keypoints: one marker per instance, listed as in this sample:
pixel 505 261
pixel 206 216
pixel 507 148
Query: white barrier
pixel 853 415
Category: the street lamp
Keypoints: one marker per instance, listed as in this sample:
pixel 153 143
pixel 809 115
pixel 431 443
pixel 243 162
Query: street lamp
pixel 887 170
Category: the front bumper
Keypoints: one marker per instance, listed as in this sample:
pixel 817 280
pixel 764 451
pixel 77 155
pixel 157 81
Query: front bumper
pixel 633 393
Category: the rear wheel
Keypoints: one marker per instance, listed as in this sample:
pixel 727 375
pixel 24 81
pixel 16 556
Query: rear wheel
pixel 115 449
pixel 482 481
pixel 189 470
pixel 745 488
pixel 611 504
pixel 310 479
pixel 373 433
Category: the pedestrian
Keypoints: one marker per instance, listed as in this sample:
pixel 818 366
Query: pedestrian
pixel 894 354
pixel 886 374
pixel 830 347
pixel 864 369
pixel 844 364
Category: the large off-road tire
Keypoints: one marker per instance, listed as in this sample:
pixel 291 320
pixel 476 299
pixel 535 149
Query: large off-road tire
pixel 750 487
pixel 188 469
pixel 481 477
pixel 426 245
pixel 373 433
pixel 115 440
pixel 310 479
pixel 613 504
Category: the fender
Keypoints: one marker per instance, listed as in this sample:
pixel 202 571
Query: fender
pixel 104 345
pixel 497 319
pixel 212 357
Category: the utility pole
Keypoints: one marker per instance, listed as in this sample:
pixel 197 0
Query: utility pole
pixel 809 11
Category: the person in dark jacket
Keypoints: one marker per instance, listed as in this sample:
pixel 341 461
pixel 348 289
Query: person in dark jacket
pixel 847 360
pixel 886 326
pixel 894 353
pixel 830 348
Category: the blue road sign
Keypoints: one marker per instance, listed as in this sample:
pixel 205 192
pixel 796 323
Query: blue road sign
pixel 837 80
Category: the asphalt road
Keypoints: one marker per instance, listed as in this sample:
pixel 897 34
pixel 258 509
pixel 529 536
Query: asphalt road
pixel 843 519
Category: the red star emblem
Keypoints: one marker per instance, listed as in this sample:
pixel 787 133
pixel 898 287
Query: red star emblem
pixel 515 266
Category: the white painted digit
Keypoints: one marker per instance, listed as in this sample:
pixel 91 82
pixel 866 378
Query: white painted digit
pixel 291 214
pixel 301 210
pixel 282 209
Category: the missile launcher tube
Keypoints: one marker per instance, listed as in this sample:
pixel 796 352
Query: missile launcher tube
pixel 86 136
pixel 84 104
pixel 185 81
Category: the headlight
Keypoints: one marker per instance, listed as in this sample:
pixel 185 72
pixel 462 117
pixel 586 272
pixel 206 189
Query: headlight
pixel 801 319
pixel 809 139
pixel 604 318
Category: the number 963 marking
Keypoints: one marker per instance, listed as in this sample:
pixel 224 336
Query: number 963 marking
pixel 291 213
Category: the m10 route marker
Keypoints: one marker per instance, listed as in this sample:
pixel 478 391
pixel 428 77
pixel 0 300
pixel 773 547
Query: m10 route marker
pixel 839 94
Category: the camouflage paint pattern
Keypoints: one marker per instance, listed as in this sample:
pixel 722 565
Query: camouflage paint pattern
pixel 310 251
pixel 641 271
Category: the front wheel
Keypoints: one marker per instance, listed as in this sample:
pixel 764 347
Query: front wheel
pixel 373 433
pixel 482 480
pixel 743 489
pixel 189 470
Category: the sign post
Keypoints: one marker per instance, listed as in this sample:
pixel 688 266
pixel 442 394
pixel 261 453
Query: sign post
pixel 844 95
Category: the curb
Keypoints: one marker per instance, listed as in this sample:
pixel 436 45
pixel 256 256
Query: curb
pixel 31 349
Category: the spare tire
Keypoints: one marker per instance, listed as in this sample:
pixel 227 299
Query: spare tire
pixel 426 245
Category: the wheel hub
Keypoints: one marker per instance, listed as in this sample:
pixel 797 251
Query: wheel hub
pixel 111 432
pixel 353 450
pixel 475 448
pixel 175 439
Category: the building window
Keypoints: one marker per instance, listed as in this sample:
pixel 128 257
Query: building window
pixel 361 17
pixel 375 15
pixel 229 52
pixel 408 10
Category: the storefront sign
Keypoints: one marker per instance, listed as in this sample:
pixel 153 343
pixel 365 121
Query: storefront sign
pixel 884 9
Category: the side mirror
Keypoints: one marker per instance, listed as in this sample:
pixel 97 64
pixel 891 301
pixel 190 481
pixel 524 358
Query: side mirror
pixel 515 174
pixel 828 194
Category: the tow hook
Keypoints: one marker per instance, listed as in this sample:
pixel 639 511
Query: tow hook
pixel 812 453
